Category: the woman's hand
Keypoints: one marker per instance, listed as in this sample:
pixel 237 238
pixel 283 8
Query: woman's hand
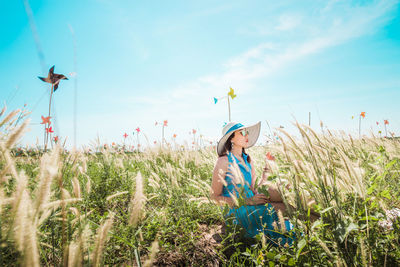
pixel 258 199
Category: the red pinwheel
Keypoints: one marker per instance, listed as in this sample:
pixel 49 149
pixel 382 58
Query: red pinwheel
pixel 138 129
pixel 269 156
pixel 386 122
pixel 194 131
pixel 125 135
pixel 49 130
pixel 46 120
pixel 165 123
pixel 174 135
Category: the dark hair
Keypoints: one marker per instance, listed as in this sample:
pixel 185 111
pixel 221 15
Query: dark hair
pixel 228 147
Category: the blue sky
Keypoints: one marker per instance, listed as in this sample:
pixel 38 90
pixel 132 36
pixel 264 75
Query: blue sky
pixel 139 62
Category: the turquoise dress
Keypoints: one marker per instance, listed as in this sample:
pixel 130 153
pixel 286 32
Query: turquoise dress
pixel 253 219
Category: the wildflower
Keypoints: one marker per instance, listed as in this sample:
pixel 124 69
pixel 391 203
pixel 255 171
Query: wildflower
pixel 46 120
pixel 155 142
pixel 55 138
pixel 156 123
pixel 377 123
pixel 386 224
pixel 49 130
pixel 393 214
pixel 174 135
pixel 194 131
pixel 269 156
pixel 113 143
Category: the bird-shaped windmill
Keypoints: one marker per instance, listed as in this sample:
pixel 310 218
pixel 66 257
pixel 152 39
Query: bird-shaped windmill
pixel 231 94
pixel 54 79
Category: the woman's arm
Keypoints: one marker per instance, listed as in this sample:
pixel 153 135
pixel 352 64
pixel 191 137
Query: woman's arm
pixel 274 195
pixel 218 180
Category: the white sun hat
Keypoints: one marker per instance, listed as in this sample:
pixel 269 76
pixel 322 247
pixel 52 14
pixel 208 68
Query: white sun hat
pixel 229 128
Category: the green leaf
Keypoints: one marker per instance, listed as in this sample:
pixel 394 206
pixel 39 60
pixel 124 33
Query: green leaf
pixel 302 243
pixel 325 210
pixel 271 255
pixel 386 194
pixel 291 262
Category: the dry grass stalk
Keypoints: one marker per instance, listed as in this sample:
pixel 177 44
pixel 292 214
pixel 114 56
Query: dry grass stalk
pixel 76 187
pixel 102 234
pixel 9 117
pixel 116 195
pixel 137 202
pixel 48 171
pixel 16 134
pixel 3 110
pixel 153 252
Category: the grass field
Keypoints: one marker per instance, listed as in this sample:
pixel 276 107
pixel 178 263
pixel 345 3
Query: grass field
pixel 153 207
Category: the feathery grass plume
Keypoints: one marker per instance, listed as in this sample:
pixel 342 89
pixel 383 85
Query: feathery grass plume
pixel 9 164
pixel 48 171
pixel 281 221
pixel 101 239
pixel 76 187
pixel 75 253
pixel 88 185
pixel 3 110
pixel 9 117
pixel 137 202
pixel 116 195
pixel 153 252
pixel 23 222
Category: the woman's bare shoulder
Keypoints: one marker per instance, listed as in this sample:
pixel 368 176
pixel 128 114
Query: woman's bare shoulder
pixel 222 161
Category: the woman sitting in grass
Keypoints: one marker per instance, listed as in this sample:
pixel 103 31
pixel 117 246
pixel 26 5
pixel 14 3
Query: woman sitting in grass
pixel 233 183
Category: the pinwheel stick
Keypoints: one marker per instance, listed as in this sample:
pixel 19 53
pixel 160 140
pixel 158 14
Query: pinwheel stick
pixel 162 142
pixel 229 108
pixel 47 133
pixel 359 128
pixel 385 129
pixel 138 146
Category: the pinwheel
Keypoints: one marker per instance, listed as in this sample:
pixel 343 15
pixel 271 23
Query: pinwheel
pixel 230 94
pixel 385 122
pixel 138 131
pixel 174 136
pixel 362 115
pixel 54 79
pixel 55 138
pixel 269 156
pixel 164 124
pixel 49 130
pixel 46 120
pixel 125 135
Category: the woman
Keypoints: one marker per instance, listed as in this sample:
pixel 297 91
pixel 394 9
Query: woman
pixel 254 216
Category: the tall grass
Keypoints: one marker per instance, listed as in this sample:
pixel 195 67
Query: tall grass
pixel 153 207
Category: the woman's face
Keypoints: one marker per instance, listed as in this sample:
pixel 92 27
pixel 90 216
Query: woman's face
pixel 241 138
